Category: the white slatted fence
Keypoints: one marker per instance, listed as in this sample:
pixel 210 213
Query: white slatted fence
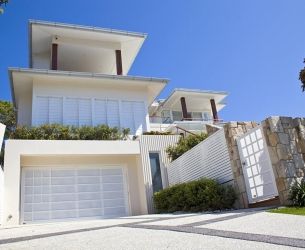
pixel 209 158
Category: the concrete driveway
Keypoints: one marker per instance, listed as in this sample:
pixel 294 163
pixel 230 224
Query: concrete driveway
pixel 242 229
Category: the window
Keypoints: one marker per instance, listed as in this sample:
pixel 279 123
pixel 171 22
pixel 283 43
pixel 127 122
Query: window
pixel 166 116
pixel 197 116
pixel 177 115
pixel 155 172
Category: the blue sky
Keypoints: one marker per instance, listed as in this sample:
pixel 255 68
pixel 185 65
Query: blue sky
pixel 252 49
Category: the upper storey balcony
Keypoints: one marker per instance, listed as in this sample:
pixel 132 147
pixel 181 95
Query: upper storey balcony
pixel 76 48
pixel 187 110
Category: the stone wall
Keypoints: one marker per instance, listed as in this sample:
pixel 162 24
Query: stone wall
pixel 285 138
pixel 232 131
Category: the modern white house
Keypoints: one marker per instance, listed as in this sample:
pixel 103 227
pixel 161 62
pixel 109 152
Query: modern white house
pixel 78 76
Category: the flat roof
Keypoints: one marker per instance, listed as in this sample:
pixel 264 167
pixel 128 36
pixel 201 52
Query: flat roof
pixel 41 34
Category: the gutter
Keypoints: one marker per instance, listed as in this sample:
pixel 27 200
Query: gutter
pixel 86 74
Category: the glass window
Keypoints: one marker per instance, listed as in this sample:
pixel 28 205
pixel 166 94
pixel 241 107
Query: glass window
pixel 197 116
pixel 155 172
pixel 166 117
pixel 177 115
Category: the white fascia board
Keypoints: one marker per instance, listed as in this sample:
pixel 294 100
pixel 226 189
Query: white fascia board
pixel 88 28
pixel 199 91
pixel 72 147
pixel 87 75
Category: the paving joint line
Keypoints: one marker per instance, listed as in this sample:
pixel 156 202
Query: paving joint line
pixel 270 239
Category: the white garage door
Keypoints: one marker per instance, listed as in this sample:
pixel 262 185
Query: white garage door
pixel 57 193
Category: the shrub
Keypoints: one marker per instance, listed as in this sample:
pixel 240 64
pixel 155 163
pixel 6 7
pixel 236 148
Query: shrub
pixel 195 196
pixel 297 193
pixel 157 133
pixel 62 132
pixel 183 145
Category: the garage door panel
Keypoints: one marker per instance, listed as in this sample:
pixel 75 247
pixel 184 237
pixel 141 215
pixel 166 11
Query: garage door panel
pixel 40 206
pixel 63 189
pixel 41 216
pixel 109 171
pixel 114 203
pixel 88 172
pixel 88 188
pixel 55 194
pixel 89 204
pixel 62 180
pixel 112 179
pixel 110 195
pixel 115 211
pixel 113 187
pixel 88 180
pixel 89 196
pixel 57 215
pixel 63 205
pixel 89 212
pixel 62 197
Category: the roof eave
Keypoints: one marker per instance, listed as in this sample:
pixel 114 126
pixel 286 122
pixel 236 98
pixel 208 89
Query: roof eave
pixel 87 74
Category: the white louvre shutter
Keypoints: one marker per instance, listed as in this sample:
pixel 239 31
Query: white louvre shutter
pixel 139 117
pixel 85 112
pixel 71 111
pixel 55 110
pixel 113 114
pixel 127 116
pixel 100 111
pixel 42 105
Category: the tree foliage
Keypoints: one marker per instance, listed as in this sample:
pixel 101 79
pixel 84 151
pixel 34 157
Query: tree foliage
pixel 184 144
pixel 302 77
pixel 2 2
pixel 7 116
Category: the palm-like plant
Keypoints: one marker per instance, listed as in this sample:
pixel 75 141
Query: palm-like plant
pixel 297 193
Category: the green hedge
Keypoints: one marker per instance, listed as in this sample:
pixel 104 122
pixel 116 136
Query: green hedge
pixel 195 196
pixel 184 144
pixel 62 132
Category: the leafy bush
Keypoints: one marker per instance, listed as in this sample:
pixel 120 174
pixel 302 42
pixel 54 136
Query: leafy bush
pixel 184 144
pixel 195 196
pixel 297 194
pixel 62 132
pixel 157 133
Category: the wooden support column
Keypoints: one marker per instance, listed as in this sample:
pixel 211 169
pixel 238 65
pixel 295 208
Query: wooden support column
pixel 184 109
pixel 54 56
pixel 214 110
pixel 118 58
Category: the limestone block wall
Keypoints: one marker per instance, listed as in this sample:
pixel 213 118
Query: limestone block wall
pixel 285 138
pixel 233 130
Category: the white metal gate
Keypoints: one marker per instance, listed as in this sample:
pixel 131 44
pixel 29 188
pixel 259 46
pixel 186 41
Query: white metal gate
pixel 256 165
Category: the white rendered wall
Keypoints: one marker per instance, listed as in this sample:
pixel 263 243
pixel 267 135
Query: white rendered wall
pixel 209 159
pixel 42 60
pixel 155 144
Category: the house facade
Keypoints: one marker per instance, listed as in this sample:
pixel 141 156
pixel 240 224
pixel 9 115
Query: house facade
pixel 78 76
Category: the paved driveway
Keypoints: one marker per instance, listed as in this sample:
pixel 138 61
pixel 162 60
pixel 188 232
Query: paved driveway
pixel 242 229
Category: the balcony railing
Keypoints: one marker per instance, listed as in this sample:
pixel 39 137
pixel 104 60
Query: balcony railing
pixel 168 120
